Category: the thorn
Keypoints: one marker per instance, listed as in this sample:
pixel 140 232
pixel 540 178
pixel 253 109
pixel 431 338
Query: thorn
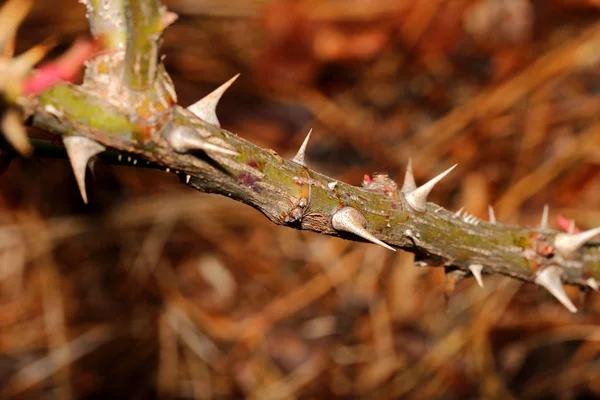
pixel 567 244
pixel 332 185
pixel 299 157
pixel 549 278
pixel 168 18
pixel 12 13
pixel 476 271
pixel 457 214
pixel 417 198
pixel 492 214
pixel 187 178
pixel 471 219
pixel 567 225
pixel 349 219
pixel 206 108
pixel 409 179
pixel 23 63
pixel 544 224
pixel 15 133
pixel 591 282
pixel 80 149
pixel 571 229
pixel 184 139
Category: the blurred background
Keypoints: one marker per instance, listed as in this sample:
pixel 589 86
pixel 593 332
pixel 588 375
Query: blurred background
pixel 157 291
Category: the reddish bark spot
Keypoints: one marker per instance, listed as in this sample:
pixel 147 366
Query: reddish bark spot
pixel 250 180
pixel 546 250
pixel 253 164
pixel 367 179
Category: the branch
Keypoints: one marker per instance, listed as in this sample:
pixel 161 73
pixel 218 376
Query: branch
pixel 213 160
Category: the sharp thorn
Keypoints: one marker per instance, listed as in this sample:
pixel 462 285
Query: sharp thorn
pixel 476 271
pixel 492 214
pixel 544 223
pixel 417 198
pixel 15 133
pixel 185 139
pixel 566 243
pixel 12 13
pixel 591 282
pixel 409 179
pixel 549 278
pixel 21 64
pixel 80 149
pixel 206 108
pixel 459 212
pixel 349 219
pixel 299 157
pixel 571 227
pixel 187 178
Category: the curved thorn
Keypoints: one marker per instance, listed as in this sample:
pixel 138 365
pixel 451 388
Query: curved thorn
pixel 591 282
pixel 457 214
pixel 299 157
pixel 349 219
pixel 417 198
pixel 549 278
pixel 492 214
pixel 206 108
pixel 567 244
pixel 409 179
pixel 544 222
pixel 184 139
pixel 80 149
pixel 476 271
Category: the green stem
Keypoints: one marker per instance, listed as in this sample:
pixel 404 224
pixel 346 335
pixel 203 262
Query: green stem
pixel 144 27
pixel 107 23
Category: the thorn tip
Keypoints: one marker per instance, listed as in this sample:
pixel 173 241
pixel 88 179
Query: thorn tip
pixel 549 278
pixel 417 198
pixel 80 149
pixel 299 157
pixel 206 108
pixel 476 271
pixel 409 179
pixel 544 223
pixel 350 220
pixel 492 214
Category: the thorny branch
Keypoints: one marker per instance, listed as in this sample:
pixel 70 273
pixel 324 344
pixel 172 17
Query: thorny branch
pixel 127 104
